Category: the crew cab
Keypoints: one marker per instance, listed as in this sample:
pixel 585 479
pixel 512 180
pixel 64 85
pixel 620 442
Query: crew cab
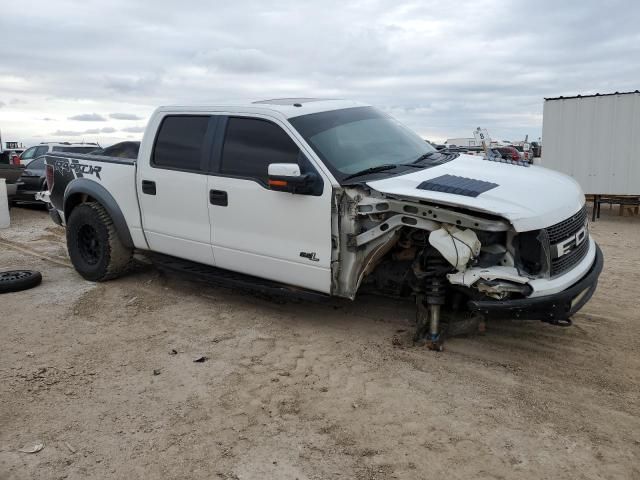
pixel 332 197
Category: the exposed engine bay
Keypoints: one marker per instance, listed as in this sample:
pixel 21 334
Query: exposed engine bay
pixel 443 256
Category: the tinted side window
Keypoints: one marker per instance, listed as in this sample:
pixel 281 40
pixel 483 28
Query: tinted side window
pixel 179 142
pixel 251 145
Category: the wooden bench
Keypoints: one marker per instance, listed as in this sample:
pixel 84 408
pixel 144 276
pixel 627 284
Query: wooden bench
pixel 629 208
pixel 628 204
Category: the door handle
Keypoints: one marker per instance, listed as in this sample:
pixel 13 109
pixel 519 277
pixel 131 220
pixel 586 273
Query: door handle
pixel 148 187
pixel 218 197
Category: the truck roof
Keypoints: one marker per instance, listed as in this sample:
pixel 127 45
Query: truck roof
pixel 288 107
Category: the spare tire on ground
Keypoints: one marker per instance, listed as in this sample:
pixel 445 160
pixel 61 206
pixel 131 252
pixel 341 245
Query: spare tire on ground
pixel 16 280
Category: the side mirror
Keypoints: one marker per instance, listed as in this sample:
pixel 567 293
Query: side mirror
pixel 286 177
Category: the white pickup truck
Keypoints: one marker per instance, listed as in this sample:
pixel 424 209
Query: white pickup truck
pixel 332 197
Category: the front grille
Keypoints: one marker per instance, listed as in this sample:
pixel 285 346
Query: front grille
pixel 565 262
pixel 564 229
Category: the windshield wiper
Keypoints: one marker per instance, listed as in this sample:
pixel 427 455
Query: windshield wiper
pixel 390 166
pixel 379 168
pixel 424 157
pixel 444 158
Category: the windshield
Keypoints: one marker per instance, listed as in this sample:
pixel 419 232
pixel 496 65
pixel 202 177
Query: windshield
pixel 355 139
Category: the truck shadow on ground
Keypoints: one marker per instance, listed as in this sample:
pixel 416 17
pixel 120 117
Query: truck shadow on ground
pixel 392 318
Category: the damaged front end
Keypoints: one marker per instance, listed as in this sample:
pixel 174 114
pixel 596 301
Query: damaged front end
pixel 442 256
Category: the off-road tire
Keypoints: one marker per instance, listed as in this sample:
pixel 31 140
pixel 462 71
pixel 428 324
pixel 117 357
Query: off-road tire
pixel 93 244
pixel 16 280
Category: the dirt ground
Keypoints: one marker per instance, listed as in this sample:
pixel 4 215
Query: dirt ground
pixel 104 376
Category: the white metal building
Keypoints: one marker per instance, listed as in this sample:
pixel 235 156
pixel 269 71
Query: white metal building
pixel 596 140
pixel 462 142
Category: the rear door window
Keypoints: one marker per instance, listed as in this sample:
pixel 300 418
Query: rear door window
pixel 252 144
pixel 180 142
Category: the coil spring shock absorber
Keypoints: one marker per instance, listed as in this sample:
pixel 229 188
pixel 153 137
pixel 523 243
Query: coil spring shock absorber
pixel 431 301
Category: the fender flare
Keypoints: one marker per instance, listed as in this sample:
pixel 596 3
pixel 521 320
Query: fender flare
pixel 104 198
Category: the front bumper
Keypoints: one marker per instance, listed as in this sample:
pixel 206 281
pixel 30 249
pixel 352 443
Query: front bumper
pixel 549 308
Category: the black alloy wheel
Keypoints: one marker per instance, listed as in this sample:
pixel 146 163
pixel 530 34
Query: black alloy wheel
pixel 16 280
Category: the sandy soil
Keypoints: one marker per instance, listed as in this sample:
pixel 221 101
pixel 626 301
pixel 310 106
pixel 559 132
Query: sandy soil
pixel 104 376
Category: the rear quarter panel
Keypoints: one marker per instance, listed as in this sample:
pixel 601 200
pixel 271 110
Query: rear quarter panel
pixel 116 175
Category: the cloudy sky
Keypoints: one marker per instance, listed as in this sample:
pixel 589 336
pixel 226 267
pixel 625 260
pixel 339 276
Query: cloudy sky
pixel 95 70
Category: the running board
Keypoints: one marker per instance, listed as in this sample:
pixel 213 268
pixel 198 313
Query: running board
pixel 228 279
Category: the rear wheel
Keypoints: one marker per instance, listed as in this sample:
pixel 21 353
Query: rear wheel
pixel 93 244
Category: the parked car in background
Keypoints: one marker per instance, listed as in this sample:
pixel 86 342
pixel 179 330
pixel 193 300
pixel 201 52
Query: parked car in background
pixel 10 156
pixel 10 173
pixel 536 149
pixel 24 183
pixel 508 153
pixel 525 151
pixel 120 150
pixel 9 170
pixel 53 147
pixel 32 152
pixel 30 182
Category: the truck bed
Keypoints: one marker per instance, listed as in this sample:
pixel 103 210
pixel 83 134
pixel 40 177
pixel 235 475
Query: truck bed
pixel 110 180
pixel 89 157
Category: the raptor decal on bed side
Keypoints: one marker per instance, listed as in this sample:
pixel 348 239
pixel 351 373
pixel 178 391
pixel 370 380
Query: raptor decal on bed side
pixel 80 169
pixel 66 170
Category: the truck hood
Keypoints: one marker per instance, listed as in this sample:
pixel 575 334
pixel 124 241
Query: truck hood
pixel 529 197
